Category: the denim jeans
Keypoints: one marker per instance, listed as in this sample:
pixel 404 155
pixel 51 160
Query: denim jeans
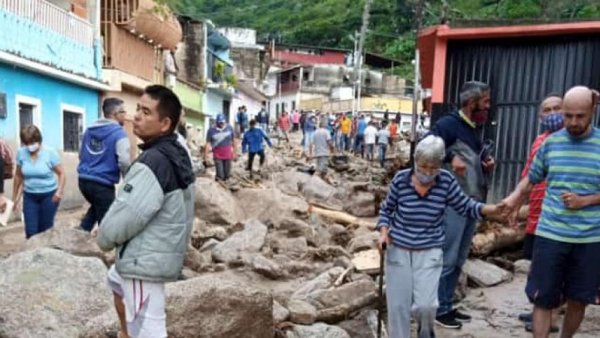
pixel 412 278
pixel 382 151
pixel 223 169
pixel 39 212
pixel 459 234
pixel 308 140
pixel 100 197
pixel 359 145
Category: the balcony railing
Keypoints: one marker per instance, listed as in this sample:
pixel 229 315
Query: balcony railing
pixel 52 17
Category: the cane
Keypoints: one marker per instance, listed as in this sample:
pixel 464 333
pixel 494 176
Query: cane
pixel 381 271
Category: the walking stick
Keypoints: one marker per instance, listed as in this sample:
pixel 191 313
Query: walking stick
pixel 381 272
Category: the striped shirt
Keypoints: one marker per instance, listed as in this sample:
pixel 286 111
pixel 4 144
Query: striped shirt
pixel 568 165
pixel 415 222
pixel 536 196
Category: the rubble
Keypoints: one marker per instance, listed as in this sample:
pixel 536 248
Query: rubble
pixel 485 274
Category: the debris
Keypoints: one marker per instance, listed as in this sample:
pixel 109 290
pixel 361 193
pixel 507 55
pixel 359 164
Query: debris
pixel 340 217
pixel 493 236
pixel 367 261
pixel 484 274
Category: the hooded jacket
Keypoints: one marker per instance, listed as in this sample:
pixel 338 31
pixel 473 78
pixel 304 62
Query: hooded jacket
pixel 104 152
pixel 150 222
pixel 253 140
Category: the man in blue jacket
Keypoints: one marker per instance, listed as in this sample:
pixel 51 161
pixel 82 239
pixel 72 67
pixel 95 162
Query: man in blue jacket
pixel 104 156
pixel 242 119
pixel 253 144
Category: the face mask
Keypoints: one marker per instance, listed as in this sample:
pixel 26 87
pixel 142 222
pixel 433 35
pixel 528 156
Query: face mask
pixel 33 147
pixel 479 117
pixel 424 179
pixel 553 122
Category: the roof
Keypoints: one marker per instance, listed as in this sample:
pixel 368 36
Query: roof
pixel 248 88
pixel 436 37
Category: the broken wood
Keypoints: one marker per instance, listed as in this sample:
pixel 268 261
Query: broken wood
pixel 495 236
pixel 340 217
pixel 341 278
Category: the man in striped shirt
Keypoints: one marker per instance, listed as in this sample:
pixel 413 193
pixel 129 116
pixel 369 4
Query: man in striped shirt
pixel 412 227
pixel 567 244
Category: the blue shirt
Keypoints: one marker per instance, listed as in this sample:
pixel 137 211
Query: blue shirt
pixel 253 140
pixel 38 175
pixel 568 165
pixel 415 222
pixel 361 126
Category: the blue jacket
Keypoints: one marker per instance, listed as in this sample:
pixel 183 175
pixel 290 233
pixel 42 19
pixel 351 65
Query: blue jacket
pixel 310 125
pixel 104 152
pixel 242 119
pixel 253 140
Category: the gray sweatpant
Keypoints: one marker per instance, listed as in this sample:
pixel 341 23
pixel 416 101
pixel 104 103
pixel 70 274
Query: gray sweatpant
pixel 223 168
pixel 412 279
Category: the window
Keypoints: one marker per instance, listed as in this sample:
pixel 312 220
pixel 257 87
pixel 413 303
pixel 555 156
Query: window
pixel 29 110
pixel 277 108
pixel 72 127
pixel 293 105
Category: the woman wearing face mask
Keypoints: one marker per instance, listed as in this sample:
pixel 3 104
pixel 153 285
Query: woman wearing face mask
pixel 411 226
pixel 41 176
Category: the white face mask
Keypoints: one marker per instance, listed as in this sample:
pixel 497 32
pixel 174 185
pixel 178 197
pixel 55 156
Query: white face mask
pixel 33 147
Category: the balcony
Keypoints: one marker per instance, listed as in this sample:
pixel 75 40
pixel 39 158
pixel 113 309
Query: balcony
pixel 40 31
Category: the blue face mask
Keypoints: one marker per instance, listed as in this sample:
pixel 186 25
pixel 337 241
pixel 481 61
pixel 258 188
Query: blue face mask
pixel 424 179
pixel 553 122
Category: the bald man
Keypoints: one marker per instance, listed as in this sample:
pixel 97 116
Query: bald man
pixel 567 245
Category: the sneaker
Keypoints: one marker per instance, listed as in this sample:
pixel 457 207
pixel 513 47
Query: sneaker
pixel 448 321
pixel 461 317
pixel 529 328
pixel 526 317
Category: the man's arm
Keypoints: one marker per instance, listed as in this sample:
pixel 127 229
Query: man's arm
pixel 266 137
pixel 138 200
pixel 123 154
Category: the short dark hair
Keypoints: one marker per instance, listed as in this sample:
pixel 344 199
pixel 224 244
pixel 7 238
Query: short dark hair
pixel 169 105
pixel 30 134
pixel 110 105
pixel 252 123
pixel 472 90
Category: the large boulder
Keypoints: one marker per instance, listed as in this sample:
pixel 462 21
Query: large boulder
pixel 363 242
pixel 215 204
pixel 485 274
pixel 364 325
pixel 247 241
pixel 322 282
pixel 72 240
pixel 208 307
pixel 318 330
pixel 361 204
pixel 338 303
pixel 51 293
pixel 301 312
pixel 270 205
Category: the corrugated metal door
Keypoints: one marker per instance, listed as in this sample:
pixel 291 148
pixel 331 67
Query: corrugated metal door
pixel 520 72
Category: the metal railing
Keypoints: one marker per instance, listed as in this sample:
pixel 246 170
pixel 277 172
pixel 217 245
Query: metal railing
pixel 52 17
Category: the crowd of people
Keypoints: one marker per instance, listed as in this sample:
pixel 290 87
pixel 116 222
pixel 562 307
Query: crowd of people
pixel 427 220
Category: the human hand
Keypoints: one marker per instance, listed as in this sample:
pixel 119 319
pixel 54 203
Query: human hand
pixel 459 166
pixel 94 231
pixel 56 198
pixel 573 201
pixel 384 240
pixel 489 164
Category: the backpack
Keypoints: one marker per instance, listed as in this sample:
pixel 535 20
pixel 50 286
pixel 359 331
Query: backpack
pixel 7 158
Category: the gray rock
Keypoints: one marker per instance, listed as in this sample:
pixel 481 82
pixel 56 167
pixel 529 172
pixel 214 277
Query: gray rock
pixel 522 266
pixel 193 259
pixel 363 326
pixel 72 240
pixel 216 205
pixel 208 306
pixel 249 240
pixel 363 242
pixel 361 204
pixel 209 245
pixel 270 205
pixel 318 330
pixel 42 292
pixel 301 312
pixel 293 247
pixel 280 313
pixel 265 267
pixel 338 303
pixel 315 189
pixel 322 282
pixel 485 274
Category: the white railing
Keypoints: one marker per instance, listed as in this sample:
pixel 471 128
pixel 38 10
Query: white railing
pixel 52 17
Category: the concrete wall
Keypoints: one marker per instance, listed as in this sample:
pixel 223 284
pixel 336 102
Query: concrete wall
pixel 241 99
pixel 239 36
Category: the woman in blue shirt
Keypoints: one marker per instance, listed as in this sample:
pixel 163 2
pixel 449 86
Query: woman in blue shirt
pixel 41 176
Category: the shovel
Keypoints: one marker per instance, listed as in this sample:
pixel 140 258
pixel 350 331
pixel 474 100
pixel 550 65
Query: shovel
pixel 381 301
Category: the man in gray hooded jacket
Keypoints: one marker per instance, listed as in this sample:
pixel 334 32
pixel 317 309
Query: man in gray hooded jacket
pixel 150 222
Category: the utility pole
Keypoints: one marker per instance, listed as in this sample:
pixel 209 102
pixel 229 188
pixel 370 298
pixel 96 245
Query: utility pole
pixel 361 44
pixel 416 86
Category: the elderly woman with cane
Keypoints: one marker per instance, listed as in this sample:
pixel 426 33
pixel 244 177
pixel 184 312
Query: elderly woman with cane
pixel 410 222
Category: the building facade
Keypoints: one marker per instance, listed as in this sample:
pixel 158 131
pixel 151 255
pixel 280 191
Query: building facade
pixel 50 76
